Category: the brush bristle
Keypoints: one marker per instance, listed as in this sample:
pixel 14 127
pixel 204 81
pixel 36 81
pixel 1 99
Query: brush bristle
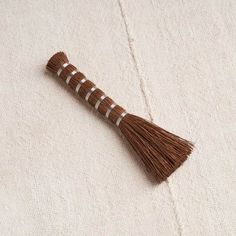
pixel 161 152
pixel 56 61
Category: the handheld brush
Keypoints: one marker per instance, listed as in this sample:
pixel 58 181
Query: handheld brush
pixel 160 151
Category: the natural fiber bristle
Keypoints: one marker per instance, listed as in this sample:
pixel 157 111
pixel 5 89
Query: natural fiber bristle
pixel 161 152
pixel 56 61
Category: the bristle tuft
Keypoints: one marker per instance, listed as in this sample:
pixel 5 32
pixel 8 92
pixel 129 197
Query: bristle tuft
pixel 56 61
pixel 161 152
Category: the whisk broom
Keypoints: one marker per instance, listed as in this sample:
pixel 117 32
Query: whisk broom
pixel 160 151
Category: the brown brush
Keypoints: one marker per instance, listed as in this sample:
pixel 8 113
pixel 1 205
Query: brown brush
pixel 160 151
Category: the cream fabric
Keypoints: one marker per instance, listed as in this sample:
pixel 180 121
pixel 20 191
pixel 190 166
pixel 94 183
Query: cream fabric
pixel 64 170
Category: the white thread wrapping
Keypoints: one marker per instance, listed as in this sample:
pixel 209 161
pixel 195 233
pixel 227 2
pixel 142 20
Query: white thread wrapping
pixel 110 109
pixel 90 92
pixel 79 84
pixel 70 76
pixel 61 68
pixel 123 114
pixel 99 101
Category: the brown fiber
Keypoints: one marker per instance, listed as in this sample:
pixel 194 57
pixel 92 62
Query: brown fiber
pixel 160 151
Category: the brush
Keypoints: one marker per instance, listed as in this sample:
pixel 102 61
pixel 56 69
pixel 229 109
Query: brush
pixel 160 151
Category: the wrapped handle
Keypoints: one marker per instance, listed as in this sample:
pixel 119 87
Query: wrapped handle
pixel 59 65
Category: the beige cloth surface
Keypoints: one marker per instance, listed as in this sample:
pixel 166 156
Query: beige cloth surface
pixel 64 170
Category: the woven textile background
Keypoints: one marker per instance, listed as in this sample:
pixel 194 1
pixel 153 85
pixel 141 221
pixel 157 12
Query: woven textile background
pixel 64 170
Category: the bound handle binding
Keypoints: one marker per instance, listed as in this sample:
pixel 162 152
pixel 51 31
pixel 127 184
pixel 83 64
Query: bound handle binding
pixel 60 66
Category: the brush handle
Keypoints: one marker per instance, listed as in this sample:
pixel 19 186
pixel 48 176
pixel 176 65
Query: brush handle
pixel 93 95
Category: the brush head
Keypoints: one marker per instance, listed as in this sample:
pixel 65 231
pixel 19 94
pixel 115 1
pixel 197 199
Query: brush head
pixel 160 151
pixel 56 62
